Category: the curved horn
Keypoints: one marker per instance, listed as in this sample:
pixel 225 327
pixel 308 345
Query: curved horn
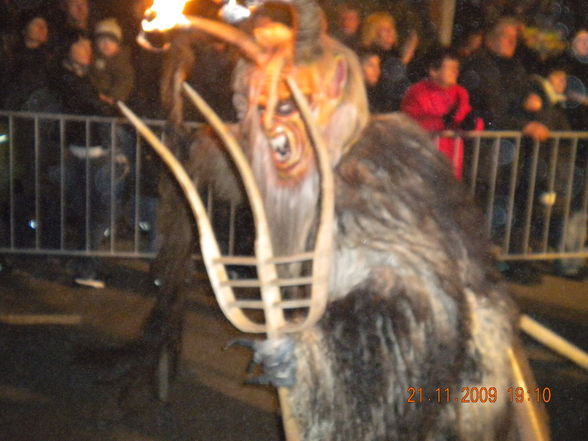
pixel 229 34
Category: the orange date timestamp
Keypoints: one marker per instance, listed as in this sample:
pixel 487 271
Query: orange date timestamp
pixel 478 394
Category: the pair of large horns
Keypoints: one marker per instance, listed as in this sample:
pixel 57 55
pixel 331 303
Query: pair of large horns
pixel 307 17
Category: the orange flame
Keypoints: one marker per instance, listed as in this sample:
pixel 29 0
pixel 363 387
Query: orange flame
pixel 164 14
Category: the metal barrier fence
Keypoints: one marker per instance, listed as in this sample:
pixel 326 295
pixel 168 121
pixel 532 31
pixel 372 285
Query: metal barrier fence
pixel 74 185
pixel 534 194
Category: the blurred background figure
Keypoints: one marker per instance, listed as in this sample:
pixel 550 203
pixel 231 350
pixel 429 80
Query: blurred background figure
pixel 496 80
pixel 347 25
pixel 371 69
pixel 575 62
pixel 379 35
pixel 88 161
pixel 546 100
pixel 75 20
pixel 29 71
pixel 468 43
pixel 8 41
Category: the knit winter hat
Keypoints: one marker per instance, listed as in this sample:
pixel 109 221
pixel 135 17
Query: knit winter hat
pixel 108 28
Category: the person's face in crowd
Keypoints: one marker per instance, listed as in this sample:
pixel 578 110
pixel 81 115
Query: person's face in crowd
pixel 78 12
pixel 386 36
pixel 580 44
pixel 533 103
pixel 447 73
pixel 503 42
pixel 559 81
pixel 36 32
pixel 107 46
pixel 349 21
pixel 371 69
pixel 473 43
pixel 81 53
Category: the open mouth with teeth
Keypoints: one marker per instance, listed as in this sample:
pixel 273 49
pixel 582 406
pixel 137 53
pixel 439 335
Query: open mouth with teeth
pixel 281 148
pixel 289 154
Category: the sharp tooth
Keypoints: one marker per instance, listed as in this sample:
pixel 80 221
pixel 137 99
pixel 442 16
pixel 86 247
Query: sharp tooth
pixel 279 143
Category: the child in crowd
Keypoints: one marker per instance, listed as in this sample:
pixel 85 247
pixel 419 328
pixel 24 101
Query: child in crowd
pixel 546 99
pixel 112 72
pixel 438 103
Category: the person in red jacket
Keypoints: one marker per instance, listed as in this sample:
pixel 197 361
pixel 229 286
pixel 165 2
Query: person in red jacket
pixel 438 103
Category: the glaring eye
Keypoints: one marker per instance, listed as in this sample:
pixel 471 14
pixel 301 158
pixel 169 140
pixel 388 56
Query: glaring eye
pixel 285 107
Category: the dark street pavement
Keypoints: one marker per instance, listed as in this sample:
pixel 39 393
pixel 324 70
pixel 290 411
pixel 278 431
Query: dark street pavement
pixel 44 396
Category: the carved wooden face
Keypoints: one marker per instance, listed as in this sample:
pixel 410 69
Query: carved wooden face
pixel 322 82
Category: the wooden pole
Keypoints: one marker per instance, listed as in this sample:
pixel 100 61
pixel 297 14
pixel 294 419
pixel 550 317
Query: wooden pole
pixel 553 341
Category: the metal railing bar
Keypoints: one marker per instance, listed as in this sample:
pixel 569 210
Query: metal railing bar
pixel 113 148
pixel 92 118
pixel 475 165
pixel 509 134
pixel 62 183
pixel 585 199
pixel 543 256
pixel 37 219
pixel 513 180
pixel 85 253
pixel 88 180
pixel 553 164
pixel 568 197
pixel 530 197
pixel 137 191
pixel 492 189
pixel 11 178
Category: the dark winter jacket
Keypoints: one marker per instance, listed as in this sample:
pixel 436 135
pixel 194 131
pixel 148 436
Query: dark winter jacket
pixel 29 73
pixel 393 81
pixel 78 96
pixel 495 85
pixel 114 76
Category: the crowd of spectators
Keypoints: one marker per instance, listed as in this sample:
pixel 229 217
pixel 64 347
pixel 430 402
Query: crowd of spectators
pixel 35 52
pixel 75 60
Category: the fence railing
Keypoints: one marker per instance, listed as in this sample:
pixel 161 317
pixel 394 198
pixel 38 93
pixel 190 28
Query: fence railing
pixel 534 194
pixel 73 185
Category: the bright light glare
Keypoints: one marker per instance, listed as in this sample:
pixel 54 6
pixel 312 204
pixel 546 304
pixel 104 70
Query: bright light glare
pixel 167 14
pixel 234 13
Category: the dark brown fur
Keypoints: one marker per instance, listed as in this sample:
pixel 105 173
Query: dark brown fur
pixel 414 300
